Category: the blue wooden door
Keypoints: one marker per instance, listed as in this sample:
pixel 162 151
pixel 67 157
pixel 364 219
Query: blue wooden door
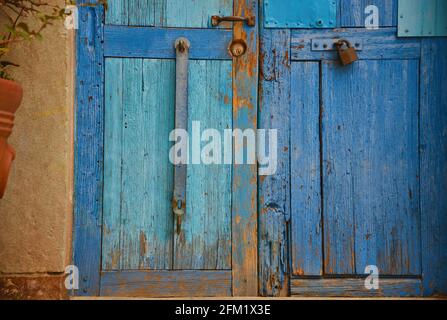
pixel 137 247
pixel 358 171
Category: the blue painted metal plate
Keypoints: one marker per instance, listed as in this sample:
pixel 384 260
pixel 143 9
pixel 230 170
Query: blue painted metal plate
pixel 422 18
pixel 300 13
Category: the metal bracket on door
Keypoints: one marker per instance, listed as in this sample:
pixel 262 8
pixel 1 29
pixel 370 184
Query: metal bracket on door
pixel 182 46
pixel 330 44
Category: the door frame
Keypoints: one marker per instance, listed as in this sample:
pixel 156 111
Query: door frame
pixel 89 157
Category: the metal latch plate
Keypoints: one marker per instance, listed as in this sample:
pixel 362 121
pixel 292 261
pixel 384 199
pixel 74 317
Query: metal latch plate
pixel 329 44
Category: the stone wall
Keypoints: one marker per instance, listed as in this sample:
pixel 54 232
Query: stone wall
pixel 36 211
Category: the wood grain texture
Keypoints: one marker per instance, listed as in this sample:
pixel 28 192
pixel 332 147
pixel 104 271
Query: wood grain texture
pixel 434 165
pixel 166 284
pixel 380 44
pixel 157 43
pixel 138 215
pixel 245 198
pixel 113 145
pixel 371 167
pixel 166 13
pixel 88 179
pixel 305 180
pixel 204 240
pixel 352 12
pixel 355 288
pixel 274 190
pixel 158 103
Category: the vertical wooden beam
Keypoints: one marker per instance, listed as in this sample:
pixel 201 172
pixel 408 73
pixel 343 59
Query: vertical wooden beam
pixel 89 149
pixel 274 190
pixel 244 208
pixel 433 184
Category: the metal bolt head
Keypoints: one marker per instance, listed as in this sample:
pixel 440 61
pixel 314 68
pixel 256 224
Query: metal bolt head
pixel 238 48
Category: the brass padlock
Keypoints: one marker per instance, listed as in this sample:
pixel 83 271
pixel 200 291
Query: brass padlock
pixel 346 52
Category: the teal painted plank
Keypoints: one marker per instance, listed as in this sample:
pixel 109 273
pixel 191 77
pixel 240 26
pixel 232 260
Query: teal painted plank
pixel 188 14
pixel 156 218
pixel 113 143
pixel 422 18
pixel 166 13
pixel 306 234
pixel 166 284
pixel 274 190
pixel 117 12
pixel 371 167
pixel 300 13
pixel 132 164
pixel 434 166
pixel 204 241
pixel 352 12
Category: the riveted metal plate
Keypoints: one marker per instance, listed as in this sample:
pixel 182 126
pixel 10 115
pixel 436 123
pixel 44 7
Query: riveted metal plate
pixel 329 44
pixel 422 18
pixel 300 13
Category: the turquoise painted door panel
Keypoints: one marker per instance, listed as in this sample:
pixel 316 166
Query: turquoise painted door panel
pixel 422 18
pixel 138 218
pixel 139 116
pixel 371 167
pixel 138 223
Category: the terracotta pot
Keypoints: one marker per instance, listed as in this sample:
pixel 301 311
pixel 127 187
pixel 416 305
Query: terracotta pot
pixel 11 94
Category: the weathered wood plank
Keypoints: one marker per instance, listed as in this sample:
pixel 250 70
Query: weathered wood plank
pixel 355 288
pixel 371 167
pixel 434 165
pixel 353 12
pixel 138 228
pixel 166 284
pixel 117 12
pixel 204 239
pixel 113 144
pixel 88 180
pixel 244 199
pixel 157 43
pixel 306 234
pixel 138 12
pixel 166 13
pixel 377 44
pixel 274 190
pixel 156 233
